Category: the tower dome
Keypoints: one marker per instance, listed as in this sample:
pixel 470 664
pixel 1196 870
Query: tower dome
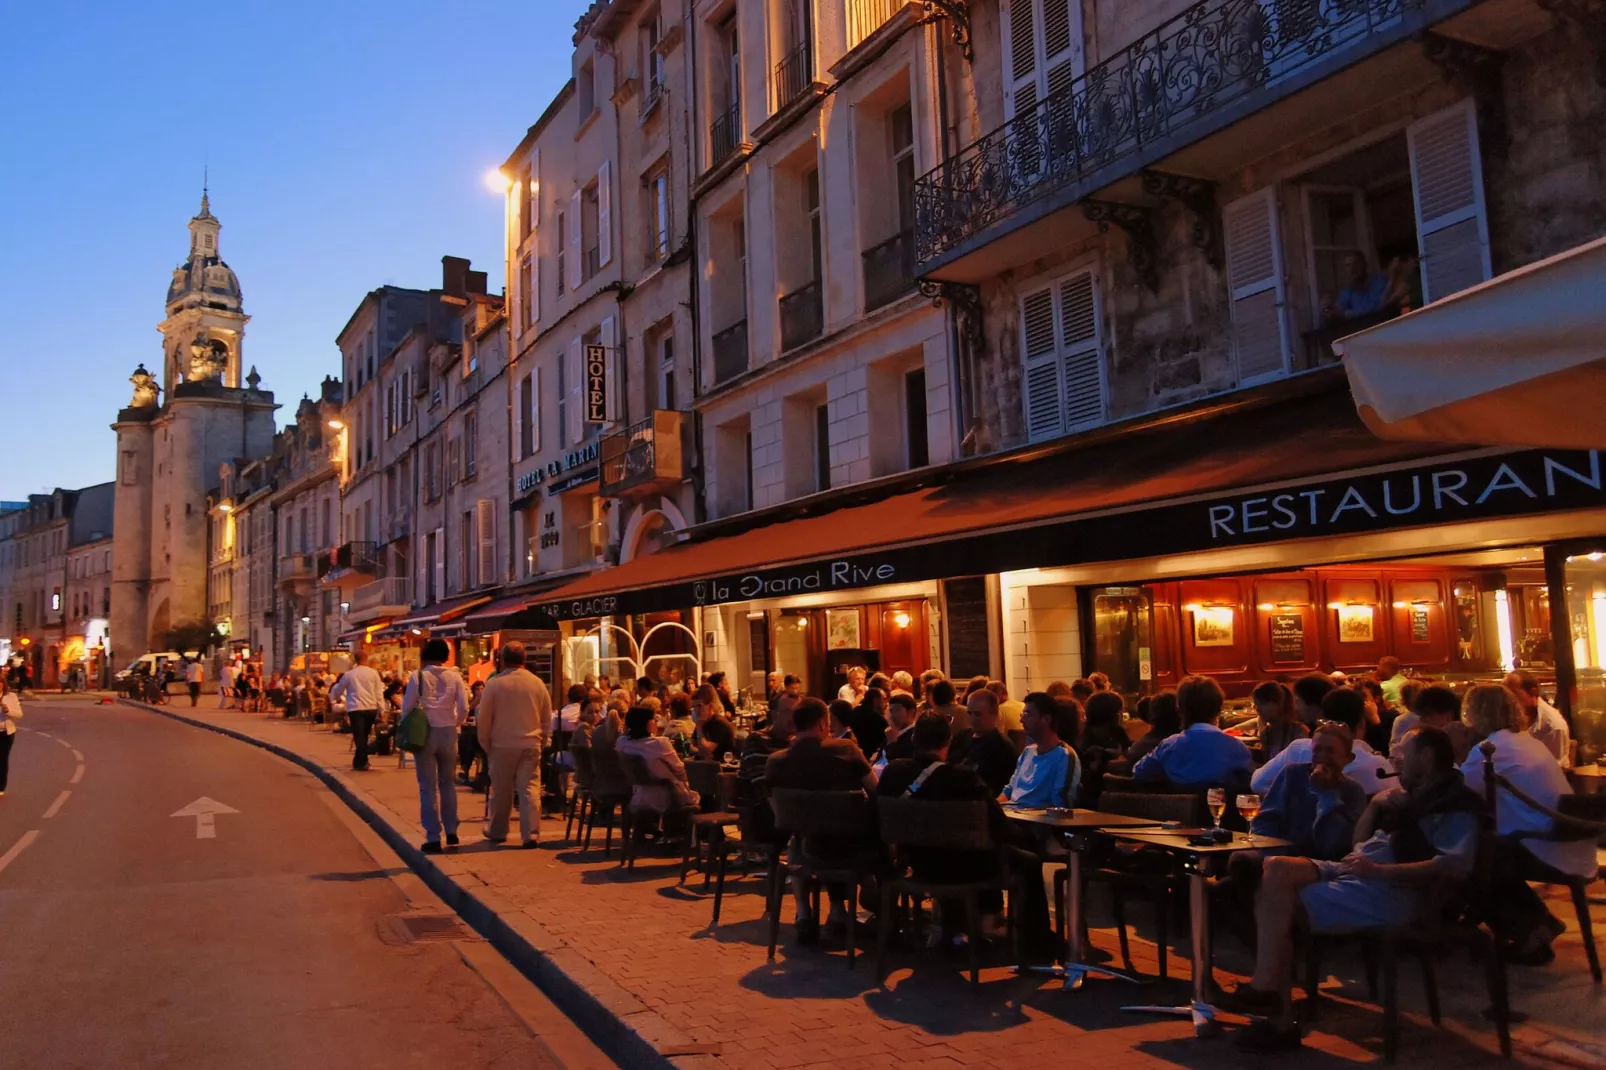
pixel 204 279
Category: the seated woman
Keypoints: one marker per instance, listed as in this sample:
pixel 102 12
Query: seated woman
pixel 662 763
pixel 1103 744
pixel 1279 719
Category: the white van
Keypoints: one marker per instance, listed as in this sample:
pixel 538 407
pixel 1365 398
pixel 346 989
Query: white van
pixel 156 663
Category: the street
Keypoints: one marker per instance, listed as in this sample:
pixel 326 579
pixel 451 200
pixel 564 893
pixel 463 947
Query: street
pixel 252 930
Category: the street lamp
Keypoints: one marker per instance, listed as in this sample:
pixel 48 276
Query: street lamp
pixel 336 425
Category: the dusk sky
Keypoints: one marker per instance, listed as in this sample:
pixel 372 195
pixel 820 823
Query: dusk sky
pixel 348 143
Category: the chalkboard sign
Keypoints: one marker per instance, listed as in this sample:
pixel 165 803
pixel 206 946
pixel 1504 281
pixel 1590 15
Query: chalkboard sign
pixel 1419 624
pixel 1288 638
pixel 969 642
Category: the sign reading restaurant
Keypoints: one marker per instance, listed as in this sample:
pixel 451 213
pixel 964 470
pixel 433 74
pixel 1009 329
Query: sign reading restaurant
pixel 1467 488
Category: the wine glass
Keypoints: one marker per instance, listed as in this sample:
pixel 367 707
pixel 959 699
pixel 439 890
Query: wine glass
pixel 1217 800
pixel 1248 807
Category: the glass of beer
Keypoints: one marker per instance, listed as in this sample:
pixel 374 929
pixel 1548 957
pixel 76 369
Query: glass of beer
pixel 1217 799
pixel 1248 807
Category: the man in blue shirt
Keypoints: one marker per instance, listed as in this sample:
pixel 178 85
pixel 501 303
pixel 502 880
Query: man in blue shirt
pixel 1363 293
pixel 1048 771
pixel 1201 755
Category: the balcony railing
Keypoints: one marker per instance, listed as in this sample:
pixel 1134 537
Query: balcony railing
pixel 889 270
pixel 298 568
pixel 645 455
pixel 1173 85
pixel 652 91
pixel 730 352
pixel 725 135
pixel 372 597
pixel 865 17
pixel 792 75
pixel 802 316
pixel 359 556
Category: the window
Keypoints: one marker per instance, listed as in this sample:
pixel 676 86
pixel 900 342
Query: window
pixel 471 447
pixel 822 447
pixel 901 136
pixel 432 470
pixel 1062 340
pixel 524 415
pixel 1043 46
pixel 585 90
pixel 562 244
pixel 811 203
pixel 666 370
pixel 454 461
pixel 527 292
pixel 566 405
pixel 652 60
pixel 914 409
pixel 747 488
pixel 658 214
pixel 590 236
pixel 532 194
pixel 465 551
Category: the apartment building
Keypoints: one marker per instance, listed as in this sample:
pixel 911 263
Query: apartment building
pixel 89 577
pixel 822 365
pixel 245 539
pixel 47 549
pixel 305 501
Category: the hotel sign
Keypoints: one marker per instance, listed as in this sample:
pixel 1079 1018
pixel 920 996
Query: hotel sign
pixel 1439 492
pixel 596 370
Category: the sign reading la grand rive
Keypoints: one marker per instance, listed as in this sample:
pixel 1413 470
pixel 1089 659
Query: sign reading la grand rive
pixel 1475 488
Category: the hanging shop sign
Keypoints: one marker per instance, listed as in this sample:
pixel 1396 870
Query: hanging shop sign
pixel 596 384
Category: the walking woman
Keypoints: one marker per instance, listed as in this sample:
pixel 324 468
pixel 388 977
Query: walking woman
pixel 439 689
pixel 10 712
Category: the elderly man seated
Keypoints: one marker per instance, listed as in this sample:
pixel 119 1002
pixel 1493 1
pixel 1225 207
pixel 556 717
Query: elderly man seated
pixel 1420 833
pixel 1366 767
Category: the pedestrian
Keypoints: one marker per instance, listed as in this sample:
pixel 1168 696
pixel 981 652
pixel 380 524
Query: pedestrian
pixel 225 685
pixel 439 690
pixel 363 692
pixel 515 718
pixel 193 674
pixel 10 713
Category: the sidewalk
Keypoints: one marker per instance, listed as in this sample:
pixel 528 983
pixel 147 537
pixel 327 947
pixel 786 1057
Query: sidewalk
pixel 632 959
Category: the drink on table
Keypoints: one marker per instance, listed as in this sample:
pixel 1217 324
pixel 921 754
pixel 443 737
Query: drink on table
pixel 1248 807
pixel 1217 800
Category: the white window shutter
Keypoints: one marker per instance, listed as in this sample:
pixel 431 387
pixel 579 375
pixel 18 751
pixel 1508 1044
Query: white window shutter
pixel 1255 282
pixel 535 284
pixel 1082 350
pixel 604 213
pixel 1042 390
pixel 1452 224
pixel 614 401
pixel 1019 25
pixel 575 251
pixel 574 411
pixel 534 415
pixel 1062 43
pixel 485 528
pixel 517 451
pixel 440 562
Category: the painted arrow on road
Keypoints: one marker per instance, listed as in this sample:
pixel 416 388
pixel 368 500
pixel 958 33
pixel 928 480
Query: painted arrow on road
pixel 205 811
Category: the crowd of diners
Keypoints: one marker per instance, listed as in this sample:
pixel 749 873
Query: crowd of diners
pixel 1375 781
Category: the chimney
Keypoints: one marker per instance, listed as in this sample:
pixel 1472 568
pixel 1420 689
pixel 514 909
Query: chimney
pixel 454 277
pixel 476 281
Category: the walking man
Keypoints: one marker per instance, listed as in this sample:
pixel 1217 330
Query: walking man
pixel 193 674
pixel 515 718
pixel 363 691
pixel 439 690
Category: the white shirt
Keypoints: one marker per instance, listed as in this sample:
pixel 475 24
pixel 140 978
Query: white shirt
pixel 10 710
pixel 228 676
pixel 444 697
pixel 1363 768
pixel 1550 728
pixel 569 717
pixel 1532 769
pixel 194 674
pixel 847 694
pixel 361 687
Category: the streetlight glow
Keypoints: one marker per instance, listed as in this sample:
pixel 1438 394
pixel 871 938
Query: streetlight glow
pixel 497 182
pixel 336 425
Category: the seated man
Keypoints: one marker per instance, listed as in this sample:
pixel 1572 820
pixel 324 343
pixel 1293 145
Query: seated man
pixel 1422 832
pixel 983 746
pixel 1366 767
pixel 1545 722
pixel 1048 772
pixel 1313 804
pixel 929 777
pixel 816 762
pixel 1201 754
pixel 1364 291
pixel 900 742
pixel 1438 707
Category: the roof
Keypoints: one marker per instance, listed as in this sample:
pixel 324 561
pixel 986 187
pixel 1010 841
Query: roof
pixel 92 514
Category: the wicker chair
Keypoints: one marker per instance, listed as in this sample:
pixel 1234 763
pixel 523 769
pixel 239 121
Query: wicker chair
pixel 950 826
pixel 1576 817
pixel 807 814
pixel 640 775
pixel 709 825
pixel 610 792
pixel 580 801
pixel 1158 884
pixel 755 837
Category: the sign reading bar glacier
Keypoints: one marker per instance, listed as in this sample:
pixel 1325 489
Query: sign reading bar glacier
pixel 1441 491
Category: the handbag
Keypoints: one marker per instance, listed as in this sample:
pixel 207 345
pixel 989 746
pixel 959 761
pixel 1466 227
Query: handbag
pixel 412 732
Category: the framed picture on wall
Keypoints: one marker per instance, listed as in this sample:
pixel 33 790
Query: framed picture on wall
pixel 842 629
pixel 1354 624
pixel 1213 626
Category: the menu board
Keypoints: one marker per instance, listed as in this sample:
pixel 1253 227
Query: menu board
pixel 969 647
pixel 1288 638
pixel 1419 624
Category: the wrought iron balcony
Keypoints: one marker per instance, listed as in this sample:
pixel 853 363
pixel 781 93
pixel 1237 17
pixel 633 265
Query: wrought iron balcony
pixel 296 569
pixel 358 556
pixel 644 456
pixel 725 136
pixel 730 352
pixel 792 76
pixel 889 270
pixel 1208 67
pixel 802 316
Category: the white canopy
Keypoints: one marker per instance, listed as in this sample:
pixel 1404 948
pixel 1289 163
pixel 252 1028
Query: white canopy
pixel 1518 360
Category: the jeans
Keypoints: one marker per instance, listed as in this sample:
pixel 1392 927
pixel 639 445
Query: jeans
pixel 514 770
pixel 6 739
pixel 437 787
pixel 362 723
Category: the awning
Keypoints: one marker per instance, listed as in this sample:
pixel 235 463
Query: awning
pixel 490 618
pixel 1299 468
pixel 1519 360
pixel 351 635
pixel 441 611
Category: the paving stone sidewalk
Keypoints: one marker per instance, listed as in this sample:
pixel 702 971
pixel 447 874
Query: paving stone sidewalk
pixel 632 956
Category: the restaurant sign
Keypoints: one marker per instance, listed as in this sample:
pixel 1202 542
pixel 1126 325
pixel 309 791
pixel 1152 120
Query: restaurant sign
pixel 1467 488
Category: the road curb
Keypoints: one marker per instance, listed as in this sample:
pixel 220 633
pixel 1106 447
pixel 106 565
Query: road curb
pixel 626 1030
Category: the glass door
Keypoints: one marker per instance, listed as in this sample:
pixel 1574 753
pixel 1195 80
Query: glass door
pixel 1584 575
pixel 1122 647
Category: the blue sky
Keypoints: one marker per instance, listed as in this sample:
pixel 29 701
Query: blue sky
pixel 347 141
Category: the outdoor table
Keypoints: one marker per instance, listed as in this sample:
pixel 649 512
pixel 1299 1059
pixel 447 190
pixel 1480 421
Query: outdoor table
pixel 1197 860
pixel 1069 822
pixel 1588 779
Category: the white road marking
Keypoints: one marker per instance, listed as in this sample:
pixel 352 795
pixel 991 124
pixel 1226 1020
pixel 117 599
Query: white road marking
pixel 78 755
pixel 204 811
pixel 77 775
pixel 55 806
pixel 17 848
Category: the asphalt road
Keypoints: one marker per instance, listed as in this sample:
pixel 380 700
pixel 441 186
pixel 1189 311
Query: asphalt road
pixel 127 940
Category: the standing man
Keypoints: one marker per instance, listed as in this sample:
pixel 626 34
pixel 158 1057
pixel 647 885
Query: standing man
pixel 363 691
pixel 225 686
pixel 515 718
pixel 193 674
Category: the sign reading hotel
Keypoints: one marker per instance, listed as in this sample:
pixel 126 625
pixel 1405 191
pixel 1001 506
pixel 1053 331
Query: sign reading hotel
pixel 596 384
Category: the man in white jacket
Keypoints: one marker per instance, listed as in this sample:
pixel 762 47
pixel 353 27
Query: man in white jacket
pixel 515 719
pixel 364 692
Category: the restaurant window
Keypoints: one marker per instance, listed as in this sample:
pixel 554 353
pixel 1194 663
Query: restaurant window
pixel 1585 575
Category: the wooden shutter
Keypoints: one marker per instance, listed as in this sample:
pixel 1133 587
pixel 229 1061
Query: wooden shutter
pixel 1043 390
pixel 440 562
pixel 1061 43
pixel 604 213
pixel 1081 350
pixel 1255 282
pixel 516 449
pixel 1019 24
pixel 574 408
pixel 1042 49
pixel 574 252
pixel 1452 223
pixel 485 528
pixel 534 295
pixel 534 413
pixel 614 401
